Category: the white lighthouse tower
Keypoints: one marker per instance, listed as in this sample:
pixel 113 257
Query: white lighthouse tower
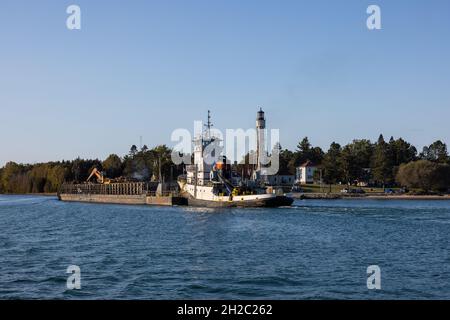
pixel 260 139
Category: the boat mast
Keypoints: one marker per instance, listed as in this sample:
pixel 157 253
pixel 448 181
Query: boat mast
pixel 208 126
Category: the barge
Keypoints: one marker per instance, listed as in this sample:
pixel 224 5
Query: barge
pixel 139 193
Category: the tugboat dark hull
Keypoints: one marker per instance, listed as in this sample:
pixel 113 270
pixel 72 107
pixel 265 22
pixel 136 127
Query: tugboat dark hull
pixel 278 201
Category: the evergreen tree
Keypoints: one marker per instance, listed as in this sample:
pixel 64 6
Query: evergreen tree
pixel 331 164
pixel 355 161
pixel 133 150
pixel 382 168
pixel 436 152
pixel 401 151
pixel 305 151
pixel 285 158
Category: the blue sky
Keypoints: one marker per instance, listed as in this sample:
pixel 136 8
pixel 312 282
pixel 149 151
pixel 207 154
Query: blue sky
pixel 145 68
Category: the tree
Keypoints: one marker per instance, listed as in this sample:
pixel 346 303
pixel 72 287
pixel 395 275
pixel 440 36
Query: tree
pixel 55 177
pixel 401 151
pixel 284 157
pixel 133 150
pixel 437 152
pixel 113 166
pixel 146 164
pixel 331 164
pixel 306 152
pixel 136 166
pixel 355 160
pixel 382 168
pixel 425 175
pixel 163 161
pixel 10 173
pixel 316 155
pixel 304 146
pixel 82 168
pixel 38 177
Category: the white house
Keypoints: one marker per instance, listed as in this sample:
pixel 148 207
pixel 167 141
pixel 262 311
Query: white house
pixel 305 173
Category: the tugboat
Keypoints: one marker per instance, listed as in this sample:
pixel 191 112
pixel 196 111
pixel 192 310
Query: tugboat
pixel 209 183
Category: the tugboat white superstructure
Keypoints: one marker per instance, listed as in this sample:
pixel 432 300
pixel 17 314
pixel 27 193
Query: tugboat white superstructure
pixel 210 182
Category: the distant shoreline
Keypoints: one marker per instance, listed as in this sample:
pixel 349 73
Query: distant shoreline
pixel 410 197
pixel 307 196
pixel 331 196
pixel 42 194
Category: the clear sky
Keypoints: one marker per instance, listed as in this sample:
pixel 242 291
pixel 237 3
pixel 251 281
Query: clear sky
pixel 144 68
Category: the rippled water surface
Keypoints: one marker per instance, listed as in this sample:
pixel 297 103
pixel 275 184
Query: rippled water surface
pixel 314 250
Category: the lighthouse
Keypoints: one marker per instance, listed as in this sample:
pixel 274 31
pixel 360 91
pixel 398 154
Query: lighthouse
pixel 260 138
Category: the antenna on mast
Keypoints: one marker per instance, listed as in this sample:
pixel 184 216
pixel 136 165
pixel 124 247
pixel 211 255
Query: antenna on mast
pixel 208 125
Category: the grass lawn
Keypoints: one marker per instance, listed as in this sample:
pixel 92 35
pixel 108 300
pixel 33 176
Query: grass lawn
pixel 336 188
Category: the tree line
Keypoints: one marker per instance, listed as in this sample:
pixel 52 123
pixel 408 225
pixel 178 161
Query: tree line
pixel 138 165
pixel 385 164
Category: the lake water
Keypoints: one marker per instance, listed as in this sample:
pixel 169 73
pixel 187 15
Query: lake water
pixel 314 250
